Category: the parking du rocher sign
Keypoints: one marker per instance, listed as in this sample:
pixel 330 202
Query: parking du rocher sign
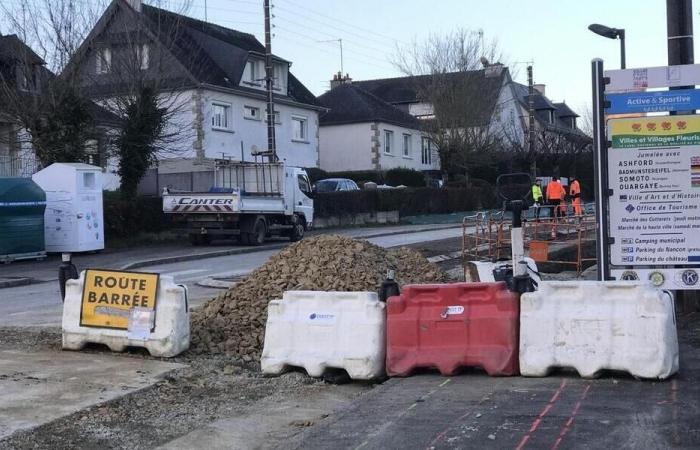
pixel 654 174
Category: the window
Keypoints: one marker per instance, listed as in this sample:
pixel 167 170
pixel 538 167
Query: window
pixel 299 129
pixel 220 116
pixel 143 53
pixel 406 145
pixel 551 116
pixel 277 77
pixel 388 141
pixel 426 151
pixel 251 112
pixel 304 185
pixel 251 69
pixel 103 60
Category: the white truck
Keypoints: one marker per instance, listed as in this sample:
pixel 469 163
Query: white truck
pixel 249 200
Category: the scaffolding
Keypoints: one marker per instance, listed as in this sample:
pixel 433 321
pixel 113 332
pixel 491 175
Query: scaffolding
pixel 486 235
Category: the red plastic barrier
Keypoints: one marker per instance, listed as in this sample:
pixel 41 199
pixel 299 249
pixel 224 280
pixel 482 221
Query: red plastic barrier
pixel 447 326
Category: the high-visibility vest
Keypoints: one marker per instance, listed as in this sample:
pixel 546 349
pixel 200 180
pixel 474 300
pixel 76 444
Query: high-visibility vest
pixel 575 189
pixel 536 193
pixel 555 191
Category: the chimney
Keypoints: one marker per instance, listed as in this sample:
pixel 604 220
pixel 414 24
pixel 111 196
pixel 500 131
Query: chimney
pixel 539 88
pixel 135 5
pixel 339 79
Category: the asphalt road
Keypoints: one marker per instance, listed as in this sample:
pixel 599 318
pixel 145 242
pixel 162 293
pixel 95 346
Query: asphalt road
pixel 39 305
pixel 561 411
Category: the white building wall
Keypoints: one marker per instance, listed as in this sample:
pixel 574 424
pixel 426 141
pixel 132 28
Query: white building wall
pixel 507 121
pixel 396 158
pixel 346 147
pixel 302 153
pixel 216 141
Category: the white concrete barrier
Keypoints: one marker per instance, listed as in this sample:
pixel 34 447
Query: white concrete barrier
pixel 319 330
pixel 594 325
pixel 167 334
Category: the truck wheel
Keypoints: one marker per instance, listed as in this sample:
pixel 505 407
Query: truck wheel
pixel 297 233
pixel 257 237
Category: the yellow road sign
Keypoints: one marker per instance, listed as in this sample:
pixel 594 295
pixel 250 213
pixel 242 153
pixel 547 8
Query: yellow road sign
pixel 109 296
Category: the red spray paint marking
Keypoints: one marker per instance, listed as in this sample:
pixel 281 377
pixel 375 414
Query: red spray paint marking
pixel 538 420
pixel 569 423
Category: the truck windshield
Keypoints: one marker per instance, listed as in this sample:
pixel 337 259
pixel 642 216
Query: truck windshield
pixel 326 186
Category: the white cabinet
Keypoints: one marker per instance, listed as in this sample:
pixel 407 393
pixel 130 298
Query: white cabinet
pixel 74 219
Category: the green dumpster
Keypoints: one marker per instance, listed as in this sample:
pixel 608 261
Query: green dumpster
pixel 22 205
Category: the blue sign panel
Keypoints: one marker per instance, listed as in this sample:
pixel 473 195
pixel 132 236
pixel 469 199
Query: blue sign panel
pixel 641 102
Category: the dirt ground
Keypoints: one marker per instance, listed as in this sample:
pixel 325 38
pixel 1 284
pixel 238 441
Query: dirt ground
pixel 209 390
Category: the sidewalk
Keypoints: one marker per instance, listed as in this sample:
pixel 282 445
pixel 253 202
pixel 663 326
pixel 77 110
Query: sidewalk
pixel 27 272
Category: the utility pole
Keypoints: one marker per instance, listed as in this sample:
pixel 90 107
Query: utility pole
pixel 679 31
pixel 531 121
pixel 269 75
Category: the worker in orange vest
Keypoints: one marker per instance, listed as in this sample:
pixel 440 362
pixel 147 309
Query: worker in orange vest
pixel 575 193
pixel 555 195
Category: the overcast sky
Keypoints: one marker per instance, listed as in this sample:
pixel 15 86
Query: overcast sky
pixel 551 33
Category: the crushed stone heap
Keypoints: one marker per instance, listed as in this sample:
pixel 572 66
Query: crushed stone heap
pixel 234 322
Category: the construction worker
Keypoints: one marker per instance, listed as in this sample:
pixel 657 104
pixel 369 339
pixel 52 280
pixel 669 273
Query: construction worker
pixel 575 193
pixel 555 195
pixel 537 197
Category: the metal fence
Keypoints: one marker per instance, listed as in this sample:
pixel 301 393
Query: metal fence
pixel 13 166
pixel 486 235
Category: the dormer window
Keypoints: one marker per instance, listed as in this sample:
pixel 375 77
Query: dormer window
pixel 143 53
pixel 27 78
pixel 251 75
pixel 277 81
pixel 103 60
pixel 551 117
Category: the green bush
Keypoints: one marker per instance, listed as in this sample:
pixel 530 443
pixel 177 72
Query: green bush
pixel 409 202
pixel 407 177
pixel 127 218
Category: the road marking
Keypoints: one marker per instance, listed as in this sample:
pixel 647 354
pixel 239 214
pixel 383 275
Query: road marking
pixel 184 272
pixel 538 420
pixel 361 445
pixel 569 423
pixel 445 382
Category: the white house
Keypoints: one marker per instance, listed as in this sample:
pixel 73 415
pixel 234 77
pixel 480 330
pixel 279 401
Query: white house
pixel 212 80
pixel 360 131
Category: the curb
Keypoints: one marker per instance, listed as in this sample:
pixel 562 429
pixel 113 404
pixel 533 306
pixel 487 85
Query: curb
pixel 13 282
pixel 239 251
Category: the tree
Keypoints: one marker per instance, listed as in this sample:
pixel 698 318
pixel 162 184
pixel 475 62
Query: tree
pixel 139 84
pixel 445 74
pixel 56 117
pixel 144 122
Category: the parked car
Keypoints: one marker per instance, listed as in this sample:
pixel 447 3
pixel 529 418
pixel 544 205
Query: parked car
pixel 335 185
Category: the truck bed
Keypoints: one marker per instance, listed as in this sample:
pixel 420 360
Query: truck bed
pixel 222 203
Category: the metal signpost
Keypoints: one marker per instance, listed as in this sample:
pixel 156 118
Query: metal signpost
pixel 648 176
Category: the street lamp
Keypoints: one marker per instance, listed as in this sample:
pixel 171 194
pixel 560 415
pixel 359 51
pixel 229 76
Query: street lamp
pixel 611 33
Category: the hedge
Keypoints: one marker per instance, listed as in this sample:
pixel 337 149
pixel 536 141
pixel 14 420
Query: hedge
pixel 125 218
pixel 408 202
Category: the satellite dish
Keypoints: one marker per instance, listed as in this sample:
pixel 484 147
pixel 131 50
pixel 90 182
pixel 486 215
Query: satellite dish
pixel 484 61
pixel 254 150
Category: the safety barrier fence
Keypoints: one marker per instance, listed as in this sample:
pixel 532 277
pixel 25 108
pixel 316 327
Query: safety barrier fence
pixel 486 235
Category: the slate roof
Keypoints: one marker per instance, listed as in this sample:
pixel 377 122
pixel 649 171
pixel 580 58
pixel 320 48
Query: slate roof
pixel 563 110
pixel 541 102
pixel 403 90
pixel 12 48
pixel 349 103
pixel 217 55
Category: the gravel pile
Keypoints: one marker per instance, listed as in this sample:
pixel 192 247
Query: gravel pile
pixel 234 322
